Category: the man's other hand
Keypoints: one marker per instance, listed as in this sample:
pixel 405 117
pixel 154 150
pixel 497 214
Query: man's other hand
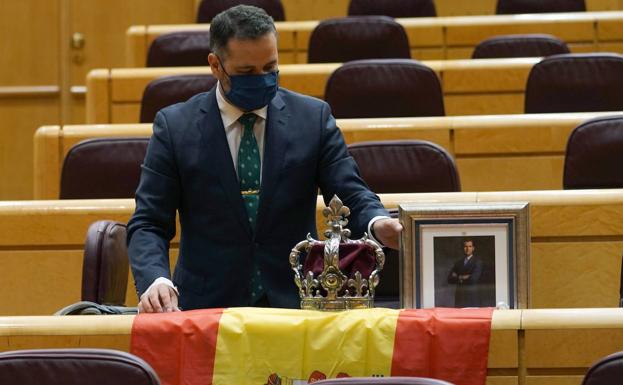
pixel 387 231
pixel 159 299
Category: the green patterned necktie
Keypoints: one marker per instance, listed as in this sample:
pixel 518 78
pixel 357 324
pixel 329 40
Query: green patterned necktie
pixel 249 175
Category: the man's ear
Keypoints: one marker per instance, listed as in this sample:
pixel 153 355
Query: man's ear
pixel 215 65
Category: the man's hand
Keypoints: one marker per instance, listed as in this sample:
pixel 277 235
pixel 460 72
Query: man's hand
pixel 159 299
pixel 387 231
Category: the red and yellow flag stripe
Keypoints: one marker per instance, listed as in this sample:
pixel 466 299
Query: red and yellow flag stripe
pixel 290 347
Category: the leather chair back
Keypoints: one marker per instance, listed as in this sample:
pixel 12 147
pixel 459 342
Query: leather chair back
pixel 74 367
pixel 168 90
pixel 210 8
pixel 105 264
pixel 403 166
pixel 595 154
pixel 392 8
pixel 576 83
pixel 527 45
pixel 180 49
pixel 103 168
pixel 357 37
pixel 509 7
pixel 382 381
pixel 606 371
pixel 384 88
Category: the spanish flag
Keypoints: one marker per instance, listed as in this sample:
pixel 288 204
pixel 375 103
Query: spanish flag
pixel 258 346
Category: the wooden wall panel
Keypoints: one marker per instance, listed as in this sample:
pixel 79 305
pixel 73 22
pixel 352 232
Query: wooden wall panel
pixel 29 42
pixel 21 116
pixel 103 25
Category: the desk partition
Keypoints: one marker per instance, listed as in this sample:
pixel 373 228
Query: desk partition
pixel 430 38
pixel 492 153
pixel 470 87
pixel 533 347
pixel 576 243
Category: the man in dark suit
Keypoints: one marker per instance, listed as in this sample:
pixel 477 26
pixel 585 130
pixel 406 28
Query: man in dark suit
pixel 465 274
pixel 242 165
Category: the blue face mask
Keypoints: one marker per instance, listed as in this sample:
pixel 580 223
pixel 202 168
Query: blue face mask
pixel 250 92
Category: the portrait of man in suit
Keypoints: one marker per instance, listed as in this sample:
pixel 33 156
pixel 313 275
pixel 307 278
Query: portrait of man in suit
pixel 466 274
pixel 240 167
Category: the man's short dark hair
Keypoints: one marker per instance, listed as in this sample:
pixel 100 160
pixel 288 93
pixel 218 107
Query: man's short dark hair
pixel 244 22
pixel 465 240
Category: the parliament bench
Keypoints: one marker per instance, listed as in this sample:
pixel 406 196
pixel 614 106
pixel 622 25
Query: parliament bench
pixel 470 87
pixel 322 9
pixel 430 38
pixel 533 347
pixel 492 153
pixel 576 244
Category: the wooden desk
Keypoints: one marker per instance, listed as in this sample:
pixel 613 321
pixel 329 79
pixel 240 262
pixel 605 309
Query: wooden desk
pixel 431 38
pixel 577 238
pixel 470 87
pixel 492 153
pixel 532 347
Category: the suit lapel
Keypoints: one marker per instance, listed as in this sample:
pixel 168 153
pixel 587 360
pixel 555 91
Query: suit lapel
pixel 218 157
pixel 275 145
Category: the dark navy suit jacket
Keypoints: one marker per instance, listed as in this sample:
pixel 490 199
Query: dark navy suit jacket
pixel 189 169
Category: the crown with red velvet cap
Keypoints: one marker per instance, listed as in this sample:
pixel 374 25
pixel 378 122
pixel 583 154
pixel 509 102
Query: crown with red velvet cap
pixel 339 273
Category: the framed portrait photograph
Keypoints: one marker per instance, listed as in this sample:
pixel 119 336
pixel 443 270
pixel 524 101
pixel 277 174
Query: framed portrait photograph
pixel 465 255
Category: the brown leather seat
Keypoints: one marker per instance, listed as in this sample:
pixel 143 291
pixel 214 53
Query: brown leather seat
pixel 576 83
pixel 357 37
pixel 179 49
pixel 392 8
pixel 105 264
pixel 103 168
pixel 527 45
pixel 595 154
pixel 382 381
pixel 210 8
pixel 74 367
pixel 404 166
pixel 168 90
pixel 509 7
pixel 384 88
pixel 606 371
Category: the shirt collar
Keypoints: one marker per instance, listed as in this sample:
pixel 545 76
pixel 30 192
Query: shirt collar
pixel 230 113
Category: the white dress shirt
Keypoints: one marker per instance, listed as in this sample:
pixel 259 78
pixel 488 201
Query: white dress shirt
pixel 233 130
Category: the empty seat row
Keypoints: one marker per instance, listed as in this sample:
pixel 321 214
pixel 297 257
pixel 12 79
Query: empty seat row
pixel 110 167
pixel 350 38
pixel 406 88
pixel 394 8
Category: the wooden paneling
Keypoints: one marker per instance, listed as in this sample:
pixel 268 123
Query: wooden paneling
pixel 29 87
pixel 29 43
pixel 21 115
pixel 104 23
pixel 493 153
